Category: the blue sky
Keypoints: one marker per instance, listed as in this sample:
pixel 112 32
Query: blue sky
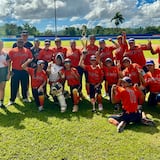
pixel 40 13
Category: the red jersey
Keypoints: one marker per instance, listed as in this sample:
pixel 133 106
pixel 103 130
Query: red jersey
pixel 119 52
pixel 18 56
pixel 136 55
pixel 37 79
pixel 152 80
pixel 60 50
pixel 132 72
pixel 74 55
pixel 71 77
pixel 46 55
pixel 91 50
pixel 129 98
pixel 158 51
pixel 107 52
pixel 111 74
pixel 95 74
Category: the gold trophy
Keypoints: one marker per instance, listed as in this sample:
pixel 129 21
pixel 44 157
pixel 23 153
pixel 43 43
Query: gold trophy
pixel 84 40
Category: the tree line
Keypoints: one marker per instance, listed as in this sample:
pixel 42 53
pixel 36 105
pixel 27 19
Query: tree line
pixel 13 29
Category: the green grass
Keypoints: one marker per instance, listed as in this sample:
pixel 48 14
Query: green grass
pixel 26 134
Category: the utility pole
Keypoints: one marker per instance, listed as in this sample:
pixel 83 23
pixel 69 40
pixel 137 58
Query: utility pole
pixel 55 18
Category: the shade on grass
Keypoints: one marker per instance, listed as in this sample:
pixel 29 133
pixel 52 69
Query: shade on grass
pixel 28 134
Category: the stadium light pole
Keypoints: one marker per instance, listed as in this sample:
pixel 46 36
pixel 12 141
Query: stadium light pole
pixel 55 18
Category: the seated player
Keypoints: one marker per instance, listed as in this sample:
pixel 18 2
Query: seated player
pixel 130 96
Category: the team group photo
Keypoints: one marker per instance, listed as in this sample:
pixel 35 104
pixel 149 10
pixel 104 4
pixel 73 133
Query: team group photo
pixel 89 90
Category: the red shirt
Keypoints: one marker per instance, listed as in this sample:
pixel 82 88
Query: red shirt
pixel 91 50
pixel 136 55
pixel 119 52
pixel 38 79
pixel 59 50
pixel 158 51
pixel 129 98
pixel 95 75
pixel 132 72
pixel 74 55
pixel 71 77
pixel 152 80
pixel 18 56
pixel 111 74
pixel 107 52
pixel 46 55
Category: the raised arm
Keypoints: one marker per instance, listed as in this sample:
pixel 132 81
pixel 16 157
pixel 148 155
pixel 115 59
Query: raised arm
pixel 151 48
pixel 81 62
pixel 114 43
pixel 124 37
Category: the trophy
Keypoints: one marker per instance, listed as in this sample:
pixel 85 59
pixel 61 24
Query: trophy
pixel 84 40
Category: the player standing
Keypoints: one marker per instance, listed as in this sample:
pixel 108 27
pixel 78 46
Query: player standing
pixel 18 56
pixel 95 78
pixel 4 72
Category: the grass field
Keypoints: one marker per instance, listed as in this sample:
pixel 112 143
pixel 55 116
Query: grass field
pixel 26 134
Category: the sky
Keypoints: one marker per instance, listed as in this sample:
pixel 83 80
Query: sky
pixel 40 13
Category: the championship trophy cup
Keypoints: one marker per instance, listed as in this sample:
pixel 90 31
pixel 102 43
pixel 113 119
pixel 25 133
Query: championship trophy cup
pixel 84 41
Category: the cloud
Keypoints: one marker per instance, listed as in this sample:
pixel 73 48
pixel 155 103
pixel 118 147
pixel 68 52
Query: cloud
pixel 39 9
pixel 4 10
pixel 74 12
pixel 151 10
pixel 49 27
pixel 74 18
pixel 1 22
pixel 135 16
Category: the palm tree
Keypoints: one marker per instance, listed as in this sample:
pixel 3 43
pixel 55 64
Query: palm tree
pixel 118 18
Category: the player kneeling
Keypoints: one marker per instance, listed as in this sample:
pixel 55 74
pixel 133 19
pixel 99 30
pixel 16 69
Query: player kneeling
pixel 56 90
pixel 38 81
pixel 56 80
pixel 73 78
